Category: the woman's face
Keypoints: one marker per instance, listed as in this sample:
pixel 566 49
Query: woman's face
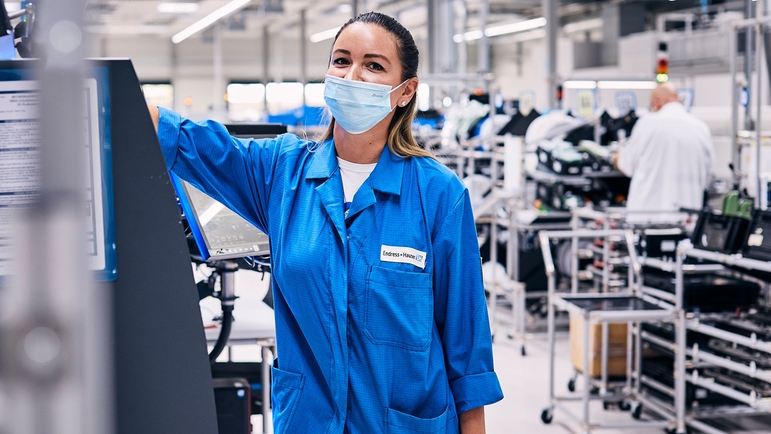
pixel 367 52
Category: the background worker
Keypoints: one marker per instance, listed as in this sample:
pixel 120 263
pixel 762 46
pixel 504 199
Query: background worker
pixel 669 156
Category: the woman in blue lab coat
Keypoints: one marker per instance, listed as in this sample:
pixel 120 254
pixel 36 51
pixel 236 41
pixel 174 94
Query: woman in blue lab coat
pixel 381 321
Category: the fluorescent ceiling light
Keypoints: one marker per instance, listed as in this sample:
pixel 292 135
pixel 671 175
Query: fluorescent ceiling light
pixel 583 26
pixel 177 8
pixel 326 34
pixel 632 85
pixel 152 29
pixel 529 36
pixel 521 26
pixel 504 29
pixel 209 20
pixel 579 84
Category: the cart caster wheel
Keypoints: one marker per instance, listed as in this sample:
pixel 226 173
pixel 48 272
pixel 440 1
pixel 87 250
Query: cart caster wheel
pixel 523 351
pixel 636 410
pixel 547 415
pixel 675 431
pixel 624 406
pixel 605 405
pixel 572 385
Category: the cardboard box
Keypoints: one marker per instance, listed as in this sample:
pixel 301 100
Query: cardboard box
pixel 617 335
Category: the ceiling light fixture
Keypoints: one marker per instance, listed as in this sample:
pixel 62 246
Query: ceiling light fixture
pixel 631 85
pixel 177 8
pixel 326 34
pixel 504 29
pixel 210 19
pixel 579 84
pixel 583 26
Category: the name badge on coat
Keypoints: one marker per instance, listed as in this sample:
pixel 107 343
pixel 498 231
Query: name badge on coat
pixel 403 255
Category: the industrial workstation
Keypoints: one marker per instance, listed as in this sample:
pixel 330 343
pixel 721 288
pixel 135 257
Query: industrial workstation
pixel 360 216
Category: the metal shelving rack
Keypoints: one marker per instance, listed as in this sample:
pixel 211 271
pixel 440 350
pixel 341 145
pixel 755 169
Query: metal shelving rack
pixel 700 358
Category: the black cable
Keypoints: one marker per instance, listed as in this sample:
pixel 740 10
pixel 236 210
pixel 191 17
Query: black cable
pixel 222 340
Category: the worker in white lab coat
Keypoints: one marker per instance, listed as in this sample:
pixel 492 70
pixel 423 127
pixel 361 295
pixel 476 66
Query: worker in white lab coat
pixel 669 156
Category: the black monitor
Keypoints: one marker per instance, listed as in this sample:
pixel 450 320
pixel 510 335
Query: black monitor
pixel 218 232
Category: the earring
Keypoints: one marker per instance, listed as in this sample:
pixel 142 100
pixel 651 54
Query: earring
pixel 404 103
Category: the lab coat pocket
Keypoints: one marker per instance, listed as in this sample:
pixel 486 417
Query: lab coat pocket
pixel 400 308
pixel 403 423
pixel 286 390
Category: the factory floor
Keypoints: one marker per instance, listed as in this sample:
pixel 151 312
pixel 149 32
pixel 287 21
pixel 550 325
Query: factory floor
pixel 525 383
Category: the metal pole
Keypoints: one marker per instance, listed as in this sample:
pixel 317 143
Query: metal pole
pixel 494 277
pixel 587 370
pixel 265 65
pixel 574 257
pixel 462 13
pixel 748 53
pixel 550 326
pixel 55 322
pixel 552 25
pixel 303 53
pixel 680 343
pixel 759 102
pixel 680 371
pixel 606 258
pixel 732 60
pixel 431 24
pixel 483 58
pixel 679 257
pixel 267 362
pixel 218 100
pixel 355 8
pixel 629 355
pixel 605 343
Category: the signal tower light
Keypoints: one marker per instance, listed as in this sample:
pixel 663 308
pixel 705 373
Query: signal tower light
pixel 662 65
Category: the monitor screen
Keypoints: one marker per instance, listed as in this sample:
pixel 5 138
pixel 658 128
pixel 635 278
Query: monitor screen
pixel 219 232
pixel 21 167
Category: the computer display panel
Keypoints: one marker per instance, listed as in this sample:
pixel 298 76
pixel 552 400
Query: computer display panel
pixel 20 164
pixel 218 232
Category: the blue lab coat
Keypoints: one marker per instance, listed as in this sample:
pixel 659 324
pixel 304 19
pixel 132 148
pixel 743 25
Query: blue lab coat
pixel 381 321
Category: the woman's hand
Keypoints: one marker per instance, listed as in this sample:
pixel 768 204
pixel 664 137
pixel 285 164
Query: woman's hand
pixel 155 114
pixel 473 421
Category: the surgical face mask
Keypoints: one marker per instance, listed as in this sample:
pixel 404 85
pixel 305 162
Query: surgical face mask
pixel 357 105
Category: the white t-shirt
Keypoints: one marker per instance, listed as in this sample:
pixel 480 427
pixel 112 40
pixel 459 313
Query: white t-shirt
pixel 353 175
pixel 671 160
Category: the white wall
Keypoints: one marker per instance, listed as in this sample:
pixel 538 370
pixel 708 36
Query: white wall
pixel 189 65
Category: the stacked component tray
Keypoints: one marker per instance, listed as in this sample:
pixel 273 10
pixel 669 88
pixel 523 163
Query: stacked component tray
pixel 727 350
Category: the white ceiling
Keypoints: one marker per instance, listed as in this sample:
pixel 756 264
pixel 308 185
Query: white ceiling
pixel 141 17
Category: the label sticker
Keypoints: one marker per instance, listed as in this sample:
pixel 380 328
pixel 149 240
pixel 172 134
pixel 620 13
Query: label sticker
pixel 755 240
pixel 403 255
pixel 668 246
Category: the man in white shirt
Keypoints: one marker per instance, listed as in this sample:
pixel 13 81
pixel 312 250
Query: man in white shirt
pixel 669 156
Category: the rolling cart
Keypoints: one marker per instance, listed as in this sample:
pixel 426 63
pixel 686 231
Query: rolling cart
pixel 628 307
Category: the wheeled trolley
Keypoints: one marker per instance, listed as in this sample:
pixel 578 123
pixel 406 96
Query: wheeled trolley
pixel 628 307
